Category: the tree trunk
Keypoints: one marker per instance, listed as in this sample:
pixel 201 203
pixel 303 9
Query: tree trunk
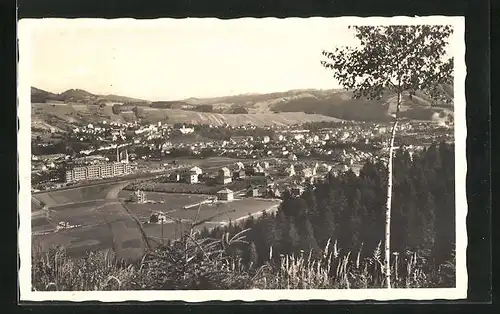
pixel 389 198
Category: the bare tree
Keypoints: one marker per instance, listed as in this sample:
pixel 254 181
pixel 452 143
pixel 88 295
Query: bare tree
pixel 394 60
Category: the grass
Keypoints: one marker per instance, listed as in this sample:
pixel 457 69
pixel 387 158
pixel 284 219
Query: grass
pixel 335 271
pixel 194 263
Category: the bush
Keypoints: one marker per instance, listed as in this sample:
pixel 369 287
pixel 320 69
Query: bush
pixel 116 109
pixel 239 110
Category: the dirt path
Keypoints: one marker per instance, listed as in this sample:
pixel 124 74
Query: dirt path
pixel 113 192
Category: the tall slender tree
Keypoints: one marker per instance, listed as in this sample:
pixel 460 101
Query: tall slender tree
pixel 398 60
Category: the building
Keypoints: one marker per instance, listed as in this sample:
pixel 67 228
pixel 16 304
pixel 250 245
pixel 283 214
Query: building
pixel 225 195
pixel 297 190
pixel 254 192
pixel 196 170
pixel 239 166
pixel 118 154
pixel 192 177
pixel 139 197
pixel 289 171
pixel 239 174
pixel 174 177
pixel 157 218
pixel 97 171
pixel 323 168
pixel 185 130
pixel 224 176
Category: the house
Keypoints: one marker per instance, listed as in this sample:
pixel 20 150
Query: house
pixel 174 177
pixel 196 170
pixel 239 166
pixel 225 195
pixel 266 139
pixel 292 157
pixel 297 190
pixel 254 192
pixel 289 171
pixel 258 170
pixel 225 175
pixel 273 192
pixel 265 164
pixel 139 197
pixel 157 218
pixel 323 168
pixel 239 174
pixel 193 177
pixel 185 130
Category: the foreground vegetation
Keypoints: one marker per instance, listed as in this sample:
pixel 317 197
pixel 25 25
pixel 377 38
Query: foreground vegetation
pixel 205 264
pixel 329 237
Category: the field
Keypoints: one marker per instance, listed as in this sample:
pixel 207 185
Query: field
pixel 258 119
pixel 58 116
pixel 227 211
pixel 101 222
pixel 102 227
pixel 77 195
pixel 106 224
pixel 171 202
pixel 178 187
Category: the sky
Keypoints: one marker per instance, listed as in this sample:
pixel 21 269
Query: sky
pixel 176 59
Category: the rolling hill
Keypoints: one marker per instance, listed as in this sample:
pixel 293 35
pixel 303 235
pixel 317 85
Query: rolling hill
pixel 290 107
pixel 335 103
pixel 78 96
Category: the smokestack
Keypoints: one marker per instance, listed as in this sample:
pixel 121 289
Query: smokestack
pixel 117 155
pixel 126 156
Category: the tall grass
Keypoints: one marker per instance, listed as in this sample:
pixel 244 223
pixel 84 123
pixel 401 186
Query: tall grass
pixel 56 270
pixel 192 263
pixel 334 270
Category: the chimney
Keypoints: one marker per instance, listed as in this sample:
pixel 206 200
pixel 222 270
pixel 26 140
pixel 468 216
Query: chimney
pixel 126 156
pixel 117 155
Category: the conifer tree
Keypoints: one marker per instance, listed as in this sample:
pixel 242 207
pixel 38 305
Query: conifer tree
pixel 293 238
pixel 328 226
pixel 308 241
pixel 429 220
pixel 253 257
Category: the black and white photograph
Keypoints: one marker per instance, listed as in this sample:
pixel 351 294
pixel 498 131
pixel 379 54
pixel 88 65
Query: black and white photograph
pixel 247 159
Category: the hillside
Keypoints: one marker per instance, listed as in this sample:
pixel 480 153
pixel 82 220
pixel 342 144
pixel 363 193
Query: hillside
pixel 59 116
pixel 259 109
pixel 335 103
pixel 78 96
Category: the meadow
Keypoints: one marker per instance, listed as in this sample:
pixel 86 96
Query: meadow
pixel 76 195
pixel 107 224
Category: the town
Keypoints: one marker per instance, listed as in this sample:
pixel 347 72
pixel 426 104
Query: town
pixel 95 150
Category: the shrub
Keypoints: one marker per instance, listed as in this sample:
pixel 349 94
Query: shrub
pixel 116 109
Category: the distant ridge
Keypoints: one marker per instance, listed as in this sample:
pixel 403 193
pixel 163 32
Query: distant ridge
pixel 77 95
pixel 336 103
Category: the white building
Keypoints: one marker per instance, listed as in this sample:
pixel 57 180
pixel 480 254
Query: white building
pixel 225 195
pixel 225 175
pixel 239 166
pixel 139 197
pixel 193 176
pixel 196 170
pixel 290 171
pixel 185 130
